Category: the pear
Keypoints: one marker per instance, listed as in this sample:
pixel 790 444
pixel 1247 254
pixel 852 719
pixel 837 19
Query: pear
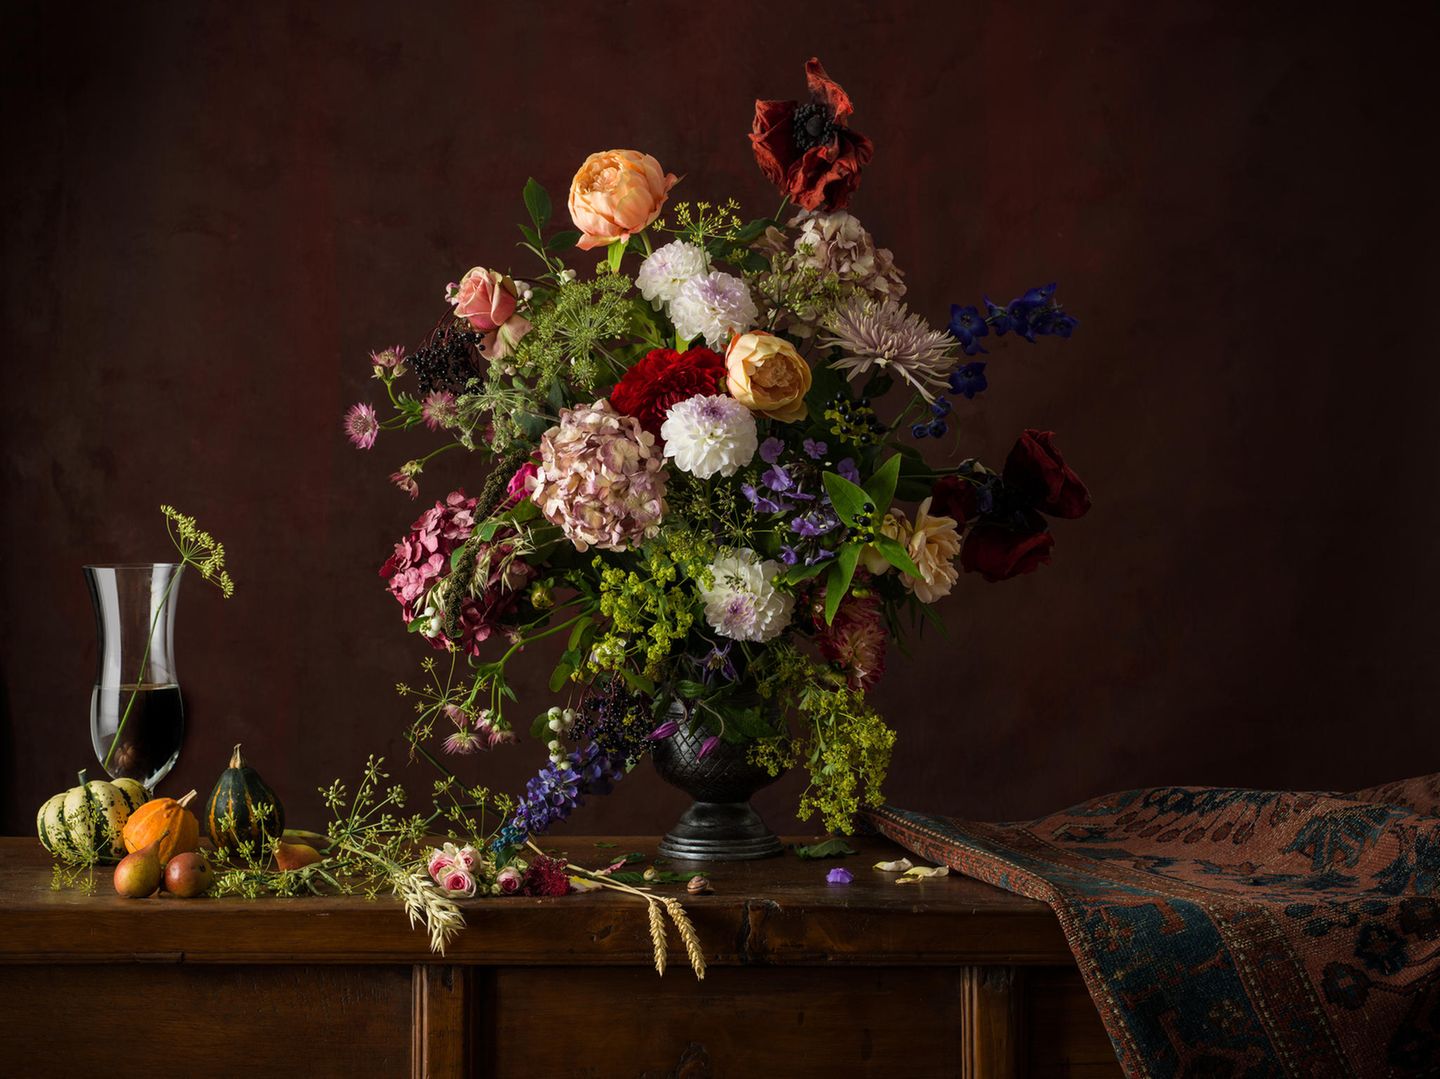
pixel 188 875
pixel 295 855
pixel 138 874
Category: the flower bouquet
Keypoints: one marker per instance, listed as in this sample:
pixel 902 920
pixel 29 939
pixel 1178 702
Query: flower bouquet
pixel 698 465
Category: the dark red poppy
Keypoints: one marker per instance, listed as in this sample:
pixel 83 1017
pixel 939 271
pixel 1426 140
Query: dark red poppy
pixel 806 149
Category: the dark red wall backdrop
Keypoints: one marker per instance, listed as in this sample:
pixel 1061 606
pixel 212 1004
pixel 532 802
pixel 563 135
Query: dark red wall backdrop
pixel 210 215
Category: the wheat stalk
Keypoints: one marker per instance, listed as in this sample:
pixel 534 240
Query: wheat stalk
pixel 657 937
pixel 688 935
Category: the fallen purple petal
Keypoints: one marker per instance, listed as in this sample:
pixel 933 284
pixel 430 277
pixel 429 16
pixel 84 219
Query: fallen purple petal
pixel 839 876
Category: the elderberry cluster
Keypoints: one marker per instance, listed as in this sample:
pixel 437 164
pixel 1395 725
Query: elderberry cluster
pixel 618 721
pixel 448 362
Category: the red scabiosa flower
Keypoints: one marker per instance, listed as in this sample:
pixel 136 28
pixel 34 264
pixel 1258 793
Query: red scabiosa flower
pixel 664 378
pixel 546 876
pixel 806 149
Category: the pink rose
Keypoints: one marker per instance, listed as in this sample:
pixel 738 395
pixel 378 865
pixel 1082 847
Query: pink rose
pixel 484 298
pixel 468 858
pixel 439 862
pixel 518 489
pixel 458 883
pixel 509 880
pixel 617 193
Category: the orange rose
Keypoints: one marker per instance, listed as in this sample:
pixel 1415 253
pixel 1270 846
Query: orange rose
pixel 615 194
pixel 765 374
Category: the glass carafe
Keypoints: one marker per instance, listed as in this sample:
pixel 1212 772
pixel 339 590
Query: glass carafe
pixel 137 718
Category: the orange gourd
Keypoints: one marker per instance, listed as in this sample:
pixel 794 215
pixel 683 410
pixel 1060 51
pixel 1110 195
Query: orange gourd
pixel 165 820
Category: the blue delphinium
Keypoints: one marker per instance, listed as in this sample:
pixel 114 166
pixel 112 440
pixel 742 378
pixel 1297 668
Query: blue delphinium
pixel 557 790
pixel 967 325
pixel 969 379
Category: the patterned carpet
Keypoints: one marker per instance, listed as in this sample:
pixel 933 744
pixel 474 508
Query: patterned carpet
pixel 1226 932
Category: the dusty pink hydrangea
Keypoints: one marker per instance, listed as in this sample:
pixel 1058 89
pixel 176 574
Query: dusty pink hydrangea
pixel 601 478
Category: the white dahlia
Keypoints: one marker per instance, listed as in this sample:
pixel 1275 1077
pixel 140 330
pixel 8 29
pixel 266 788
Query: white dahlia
pixel 743 603
pixel 669 267
pixel 713 306
pixel 709 435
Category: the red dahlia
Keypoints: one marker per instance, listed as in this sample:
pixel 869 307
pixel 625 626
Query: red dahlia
pixel 806 149
pixel 662 380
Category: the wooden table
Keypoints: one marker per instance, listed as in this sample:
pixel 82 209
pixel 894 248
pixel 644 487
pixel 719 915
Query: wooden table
pixel 946 977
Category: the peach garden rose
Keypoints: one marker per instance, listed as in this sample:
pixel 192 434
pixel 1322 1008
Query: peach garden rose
pixel 766 374
pixel 615 194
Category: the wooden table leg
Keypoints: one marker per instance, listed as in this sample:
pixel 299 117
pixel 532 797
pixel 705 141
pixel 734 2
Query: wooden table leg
pixel 993 1048
pixel 438 1034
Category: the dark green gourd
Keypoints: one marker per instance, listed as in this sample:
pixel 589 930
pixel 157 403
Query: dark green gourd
pixel 242 808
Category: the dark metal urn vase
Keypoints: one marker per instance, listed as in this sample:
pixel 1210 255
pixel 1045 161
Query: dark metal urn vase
pixel 720 826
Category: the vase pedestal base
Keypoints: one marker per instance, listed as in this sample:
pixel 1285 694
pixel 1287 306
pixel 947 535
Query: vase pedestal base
pixel 720 832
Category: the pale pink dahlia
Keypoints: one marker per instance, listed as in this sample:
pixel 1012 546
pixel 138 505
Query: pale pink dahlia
pixel 362 425
pixel 601 478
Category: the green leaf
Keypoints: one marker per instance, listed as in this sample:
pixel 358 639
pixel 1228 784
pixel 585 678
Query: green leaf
pixel 532 239
pixel 841 575
pixel 796 574
pixel 831 848
pixel 896 555
pixel 881 486
pixel 537 201
pixel 614 254
pixel 562 240
pixel 579 631
pixel 849 500
pixel 540 727
pixel 569 660
pixel 690 690
pixel 638 682
pixel 747 725
pixel 660 876
pixel 752 230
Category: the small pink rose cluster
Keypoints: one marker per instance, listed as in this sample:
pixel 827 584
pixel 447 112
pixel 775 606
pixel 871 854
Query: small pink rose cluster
pixel 487 300
pixel 454 869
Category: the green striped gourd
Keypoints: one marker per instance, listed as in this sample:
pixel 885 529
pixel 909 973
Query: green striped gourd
pixel 242 809
pixel 84 824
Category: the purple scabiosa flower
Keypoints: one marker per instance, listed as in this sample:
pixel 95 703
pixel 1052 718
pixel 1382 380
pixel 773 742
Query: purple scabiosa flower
pixel 839 876
pixel 361 425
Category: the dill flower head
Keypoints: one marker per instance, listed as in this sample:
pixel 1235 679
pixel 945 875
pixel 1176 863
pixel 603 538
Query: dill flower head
pixel 884 334
pixel 601 479
pixel 743 603
pixel 710 435
pixel 669 267
pixel 713 306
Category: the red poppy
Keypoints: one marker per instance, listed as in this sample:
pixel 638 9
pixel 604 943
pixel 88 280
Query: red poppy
pixel 806 149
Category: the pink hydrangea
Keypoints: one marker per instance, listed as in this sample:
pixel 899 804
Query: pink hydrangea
pixel 423 557
pixel 601 479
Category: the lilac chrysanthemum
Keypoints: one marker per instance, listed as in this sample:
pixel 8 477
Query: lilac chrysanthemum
pixel 713 306
pixel 362 425
pixel 662 274
pixel 601 478
pixel 888 336
pixel 710 435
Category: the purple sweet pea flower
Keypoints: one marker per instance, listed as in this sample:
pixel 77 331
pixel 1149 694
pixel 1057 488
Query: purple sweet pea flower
pixel 771 449
pixel 788 556
pixel 762 503
pixel 814 450
pixel 820 555
pixel 839 876
pixel 778 480
pixel 848 469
